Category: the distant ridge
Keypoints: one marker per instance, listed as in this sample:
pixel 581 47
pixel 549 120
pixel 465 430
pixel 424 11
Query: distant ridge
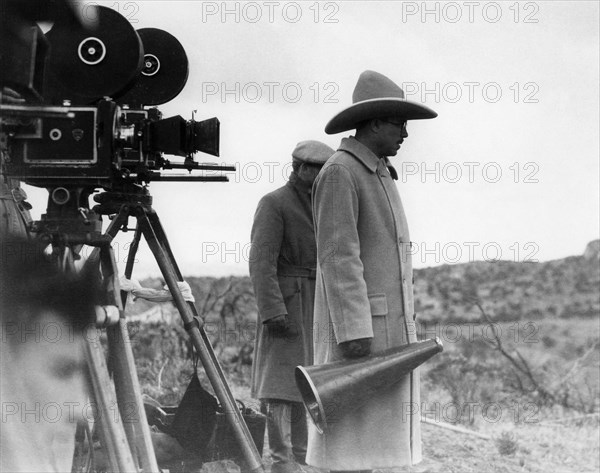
pixel 592 250
pixel 568 287
pixel 563 288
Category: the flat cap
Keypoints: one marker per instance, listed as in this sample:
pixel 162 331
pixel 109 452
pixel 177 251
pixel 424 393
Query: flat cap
pixel 311 151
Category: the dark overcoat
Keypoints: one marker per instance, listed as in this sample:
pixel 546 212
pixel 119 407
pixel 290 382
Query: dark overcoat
pixel 282 269
pixel 364 289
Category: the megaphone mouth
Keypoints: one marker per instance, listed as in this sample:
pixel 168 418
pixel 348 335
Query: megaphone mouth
pixel 311 399
pixel 331 390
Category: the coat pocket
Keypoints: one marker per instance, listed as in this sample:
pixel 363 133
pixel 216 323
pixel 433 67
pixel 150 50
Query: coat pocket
pixel 378 303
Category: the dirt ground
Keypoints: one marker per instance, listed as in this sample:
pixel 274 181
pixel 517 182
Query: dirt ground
pixel 544 446
pixel 532 448
pixel 537 448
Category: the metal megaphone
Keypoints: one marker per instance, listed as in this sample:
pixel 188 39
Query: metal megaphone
pixel 343 386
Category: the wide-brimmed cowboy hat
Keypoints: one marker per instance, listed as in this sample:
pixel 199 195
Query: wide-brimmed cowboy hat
pixel 375 96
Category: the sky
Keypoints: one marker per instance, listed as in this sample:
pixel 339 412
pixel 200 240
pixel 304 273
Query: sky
pixel 508 170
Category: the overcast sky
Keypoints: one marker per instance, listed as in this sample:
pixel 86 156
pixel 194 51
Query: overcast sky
pixel 509 169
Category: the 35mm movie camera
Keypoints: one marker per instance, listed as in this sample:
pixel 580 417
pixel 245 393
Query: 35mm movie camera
pixel 83 115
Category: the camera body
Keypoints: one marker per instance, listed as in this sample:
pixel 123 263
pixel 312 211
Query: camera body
pixel 81 109
pixel 101 144
pixel 75 147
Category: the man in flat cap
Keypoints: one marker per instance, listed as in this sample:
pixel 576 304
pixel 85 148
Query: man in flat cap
pixel 364 293
pixel 282 268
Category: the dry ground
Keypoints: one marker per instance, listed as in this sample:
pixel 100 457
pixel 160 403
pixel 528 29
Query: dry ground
pixel 538 449
pixel 540 446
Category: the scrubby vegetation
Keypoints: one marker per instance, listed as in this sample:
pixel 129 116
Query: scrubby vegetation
pixel 521 344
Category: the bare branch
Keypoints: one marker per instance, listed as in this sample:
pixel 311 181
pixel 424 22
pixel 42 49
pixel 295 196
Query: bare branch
pixel 455 428
pixel 521 364
pixel 216 297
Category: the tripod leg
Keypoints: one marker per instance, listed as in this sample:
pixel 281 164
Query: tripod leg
pixel 157 241
pixel 129 396
pixel 112 432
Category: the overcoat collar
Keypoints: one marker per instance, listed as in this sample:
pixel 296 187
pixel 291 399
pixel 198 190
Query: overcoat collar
pixel 359 151
pixel 365 155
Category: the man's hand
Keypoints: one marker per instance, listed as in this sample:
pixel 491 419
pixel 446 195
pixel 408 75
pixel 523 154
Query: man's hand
pixel 279 324
pixel 356 348
pixel 9 96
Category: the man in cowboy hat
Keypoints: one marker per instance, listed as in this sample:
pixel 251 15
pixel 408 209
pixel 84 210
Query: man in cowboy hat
pixel 282 268
pixel 364 295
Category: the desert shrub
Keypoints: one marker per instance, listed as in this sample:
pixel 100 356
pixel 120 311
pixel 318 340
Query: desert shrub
pixel 507 443
pixel 548 341
pixel 469 381
pixel 163 360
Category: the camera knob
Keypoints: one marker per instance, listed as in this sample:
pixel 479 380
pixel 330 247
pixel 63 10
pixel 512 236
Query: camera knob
pixel 60 196
pixel 91 51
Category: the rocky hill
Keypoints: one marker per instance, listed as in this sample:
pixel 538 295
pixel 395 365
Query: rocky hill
pixel 563 288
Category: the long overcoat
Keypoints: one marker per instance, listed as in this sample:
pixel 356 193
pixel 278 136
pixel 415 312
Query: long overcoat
pixel 282 268
pixel 364 289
